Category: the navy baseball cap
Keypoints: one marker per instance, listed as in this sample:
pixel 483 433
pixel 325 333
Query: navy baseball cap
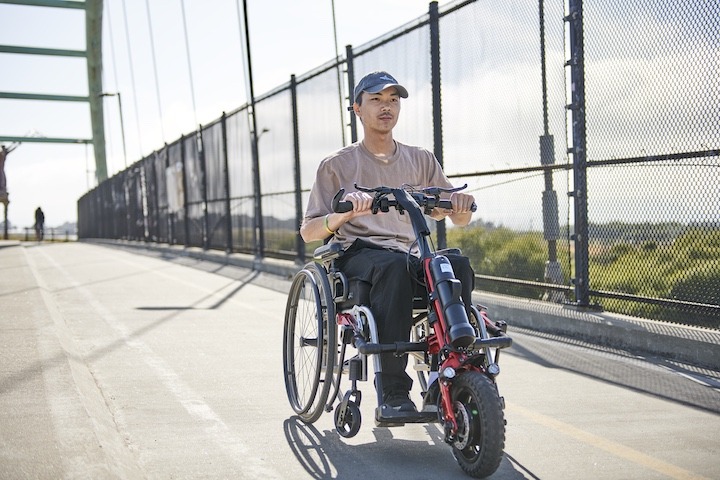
pixel 376 82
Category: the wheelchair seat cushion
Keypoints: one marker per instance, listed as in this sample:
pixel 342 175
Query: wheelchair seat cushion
pixel 359 294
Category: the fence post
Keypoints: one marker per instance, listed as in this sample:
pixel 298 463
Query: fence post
pixel 259 228
pixel 186 216
pixel 436 103
pixel 351 88
pixel 551 222
pixel 170 225
pixel 576 62
pixel 226 186
pixel 203 185
pixel 299 242
pixel 156 195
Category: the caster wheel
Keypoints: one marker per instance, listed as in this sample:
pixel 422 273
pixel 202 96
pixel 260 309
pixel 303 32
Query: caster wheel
pixel 347 423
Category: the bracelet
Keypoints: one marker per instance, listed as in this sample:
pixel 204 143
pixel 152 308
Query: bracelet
pixel 327 227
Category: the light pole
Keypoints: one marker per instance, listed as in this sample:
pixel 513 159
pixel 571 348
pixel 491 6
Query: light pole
pixel 122 123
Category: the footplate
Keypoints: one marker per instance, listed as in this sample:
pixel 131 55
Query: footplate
pixel 388 417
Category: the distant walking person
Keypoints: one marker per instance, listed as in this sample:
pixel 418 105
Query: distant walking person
pixel 39 224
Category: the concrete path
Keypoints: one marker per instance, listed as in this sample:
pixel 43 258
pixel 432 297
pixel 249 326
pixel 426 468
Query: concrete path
pixel 116 365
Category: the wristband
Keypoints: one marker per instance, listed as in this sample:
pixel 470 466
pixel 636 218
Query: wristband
pixel 327 227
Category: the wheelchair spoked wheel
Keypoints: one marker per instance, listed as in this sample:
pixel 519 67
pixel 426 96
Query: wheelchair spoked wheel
pixel 309 342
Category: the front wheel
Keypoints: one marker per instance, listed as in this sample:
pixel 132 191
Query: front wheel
pixel 478 447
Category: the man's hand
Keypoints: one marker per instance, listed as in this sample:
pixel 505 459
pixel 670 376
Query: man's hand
pixel 461 212
pixel 461 202
pixel 362 203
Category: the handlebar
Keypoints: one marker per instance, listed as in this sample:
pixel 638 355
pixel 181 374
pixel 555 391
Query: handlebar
pixel 427 199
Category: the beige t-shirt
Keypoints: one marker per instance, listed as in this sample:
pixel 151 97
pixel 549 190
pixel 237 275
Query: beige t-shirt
pixel 409 165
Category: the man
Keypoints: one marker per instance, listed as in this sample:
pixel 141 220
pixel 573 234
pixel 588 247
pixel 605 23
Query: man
pixel 377 245
pixel 39 224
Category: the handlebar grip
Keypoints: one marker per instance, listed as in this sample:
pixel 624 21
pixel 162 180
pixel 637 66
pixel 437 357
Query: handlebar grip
pixel 446 204
pixel 340 206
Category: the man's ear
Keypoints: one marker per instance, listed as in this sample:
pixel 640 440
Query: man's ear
pixel 356 110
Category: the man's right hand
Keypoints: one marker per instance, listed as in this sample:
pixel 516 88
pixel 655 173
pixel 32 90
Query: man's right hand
pixel 362 203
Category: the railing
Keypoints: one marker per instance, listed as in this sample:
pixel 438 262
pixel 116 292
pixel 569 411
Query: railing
pixel 49 235
pixel 616 103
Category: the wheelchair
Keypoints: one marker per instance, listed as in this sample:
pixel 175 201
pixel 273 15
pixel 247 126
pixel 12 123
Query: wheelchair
pixel 330 333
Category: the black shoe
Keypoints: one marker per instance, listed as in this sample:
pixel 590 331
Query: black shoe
pixel 399 401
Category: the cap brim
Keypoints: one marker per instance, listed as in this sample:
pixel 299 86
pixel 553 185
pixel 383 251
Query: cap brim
pixel 400 89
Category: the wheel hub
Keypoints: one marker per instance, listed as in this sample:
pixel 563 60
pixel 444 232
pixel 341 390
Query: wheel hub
pixel 463 437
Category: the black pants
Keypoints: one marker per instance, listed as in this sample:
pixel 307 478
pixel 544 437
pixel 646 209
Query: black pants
pixel 393 280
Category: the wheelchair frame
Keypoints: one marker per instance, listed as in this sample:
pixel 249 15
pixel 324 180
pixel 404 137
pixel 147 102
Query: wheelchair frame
pixel 456 374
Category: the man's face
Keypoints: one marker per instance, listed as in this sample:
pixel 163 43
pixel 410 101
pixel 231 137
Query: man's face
pixel 379 111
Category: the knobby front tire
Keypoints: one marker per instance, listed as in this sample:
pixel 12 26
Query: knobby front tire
pixel 478 408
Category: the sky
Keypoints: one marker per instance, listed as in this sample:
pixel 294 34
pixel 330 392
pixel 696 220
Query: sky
pixel 653 92
pixel 196 73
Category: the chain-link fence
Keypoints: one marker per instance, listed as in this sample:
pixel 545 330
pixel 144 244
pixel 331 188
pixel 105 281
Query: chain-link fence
pixel 589 135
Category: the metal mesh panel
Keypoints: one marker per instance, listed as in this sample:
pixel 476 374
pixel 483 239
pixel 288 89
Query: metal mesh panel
pixel 407 58
pixel 151 217
pixel 161 196
pixel 275 143
pixel 212 144
pixel 279 223
pixel 491 78
pixel 492 85
pixel 653 114
pixel 241 183
pixel 176 172
pixel 507 239
pixel 651 88
pixel 134 189
pixel 214 157
pixel 194 193
pixel 217 224
pixel 193 170
pixel 656 243
pixel 120 205
pixel 321 122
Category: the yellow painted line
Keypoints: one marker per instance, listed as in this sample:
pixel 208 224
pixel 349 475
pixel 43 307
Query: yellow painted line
pixel 609 446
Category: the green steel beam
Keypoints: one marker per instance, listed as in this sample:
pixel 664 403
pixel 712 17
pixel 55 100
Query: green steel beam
pixel 42 51
pixel 93 55
pixel 93 44
pixel 7 138
pixel 43 96
pixel 46 3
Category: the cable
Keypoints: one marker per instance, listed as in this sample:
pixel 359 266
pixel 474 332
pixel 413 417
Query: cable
pixel 341 92
pixel 154 61
pixel 187 50
pixel 108 139
pixel 242 49
pixel 112 47
pixel 132 78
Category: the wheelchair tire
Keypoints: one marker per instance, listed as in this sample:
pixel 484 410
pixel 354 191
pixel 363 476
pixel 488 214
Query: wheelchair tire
pixel 349 425
pixel 309 342
pixel 479 445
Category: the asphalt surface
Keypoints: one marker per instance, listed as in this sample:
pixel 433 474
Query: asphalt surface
pixel 119 365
